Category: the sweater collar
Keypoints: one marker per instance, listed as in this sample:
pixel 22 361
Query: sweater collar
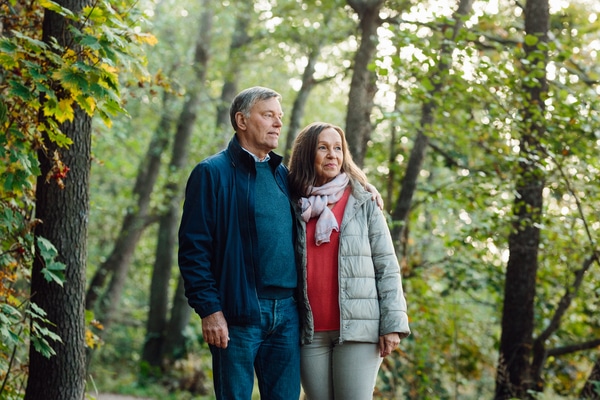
pixel 241 156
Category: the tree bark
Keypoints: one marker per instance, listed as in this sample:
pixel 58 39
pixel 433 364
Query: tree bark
pixel 363 85
pixel 514 375
pixel 308 82
pixel 64 215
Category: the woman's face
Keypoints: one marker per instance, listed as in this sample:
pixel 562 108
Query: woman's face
pixel 329 157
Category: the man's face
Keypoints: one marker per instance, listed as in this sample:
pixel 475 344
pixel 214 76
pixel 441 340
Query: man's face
pixel 259 133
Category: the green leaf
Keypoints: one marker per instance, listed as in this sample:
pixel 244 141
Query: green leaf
pixel 8 61
pixel 36 311
pixel 8 181
pixel 19 90
pixel 52 6
pixel 47 249
pixel 35 70
pixel 113 107
pixel 31 43
pixel 53 270
pixel 55 134
pixel 42 346
pixel 7 46
pixel 426 82
pixel 90 41
pixel 72 79
pixel 531 40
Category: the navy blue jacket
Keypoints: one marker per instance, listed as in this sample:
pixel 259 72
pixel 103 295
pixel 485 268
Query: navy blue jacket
pixel 218 249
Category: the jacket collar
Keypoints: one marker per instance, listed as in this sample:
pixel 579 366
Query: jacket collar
pixel 241 157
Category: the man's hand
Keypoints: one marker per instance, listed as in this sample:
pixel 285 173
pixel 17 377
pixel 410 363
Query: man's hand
pixel 375 195
pixel 215 331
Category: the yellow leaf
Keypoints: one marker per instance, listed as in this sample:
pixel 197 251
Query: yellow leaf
pixel 50 5
pixel 64 111
pixel 109 68
pixel 147 38
pixel 105 118
pixel 70 55
pixel 88 104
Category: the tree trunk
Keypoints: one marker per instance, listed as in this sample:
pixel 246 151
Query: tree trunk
pixel 156 320
pixel 181 312
pixel 64 215
pixel 236 60
pixel 136 220
pixel 308 82
pixel 363 86
pixel 514 369
pixel 161 273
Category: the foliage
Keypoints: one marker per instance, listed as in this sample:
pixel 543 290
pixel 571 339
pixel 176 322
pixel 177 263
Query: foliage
pixel 41 83
pixel 454 258
pixel 461 214
pixel 453 261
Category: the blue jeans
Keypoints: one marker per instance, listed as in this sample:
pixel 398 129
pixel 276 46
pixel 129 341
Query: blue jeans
pixel 271 350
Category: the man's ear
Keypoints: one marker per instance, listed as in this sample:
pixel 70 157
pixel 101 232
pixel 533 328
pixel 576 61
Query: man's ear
pixel 240 120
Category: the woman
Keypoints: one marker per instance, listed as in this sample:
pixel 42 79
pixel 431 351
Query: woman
pixel 352 307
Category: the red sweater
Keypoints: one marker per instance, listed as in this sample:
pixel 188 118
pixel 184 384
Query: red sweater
pixel 322 272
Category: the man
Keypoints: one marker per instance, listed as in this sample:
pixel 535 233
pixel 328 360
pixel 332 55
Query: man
pixel 236 256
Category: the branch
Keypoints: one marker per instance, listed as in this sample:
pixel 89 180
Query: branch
pixel 565 301
pixel 580 72
pixel 596 254
pixel 559 351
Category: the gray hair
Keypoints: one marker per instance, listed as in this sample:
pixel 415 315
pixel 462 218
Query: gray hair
pixel 246 99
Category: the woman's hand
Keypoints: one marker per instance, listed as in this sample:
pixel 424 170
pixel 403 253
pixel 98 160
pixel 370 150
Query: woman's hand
pixel 387 343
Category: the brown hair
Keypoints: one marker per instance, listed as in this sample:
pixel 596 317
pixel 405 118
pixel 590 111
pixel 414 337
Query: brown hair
pixel 302 161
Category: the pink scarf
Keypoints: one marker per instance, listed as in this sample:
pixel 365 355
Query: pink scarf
pixel 316 205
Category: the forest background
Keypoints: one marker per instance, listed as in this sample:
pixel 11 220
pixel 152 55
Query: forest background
pixel 477 120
